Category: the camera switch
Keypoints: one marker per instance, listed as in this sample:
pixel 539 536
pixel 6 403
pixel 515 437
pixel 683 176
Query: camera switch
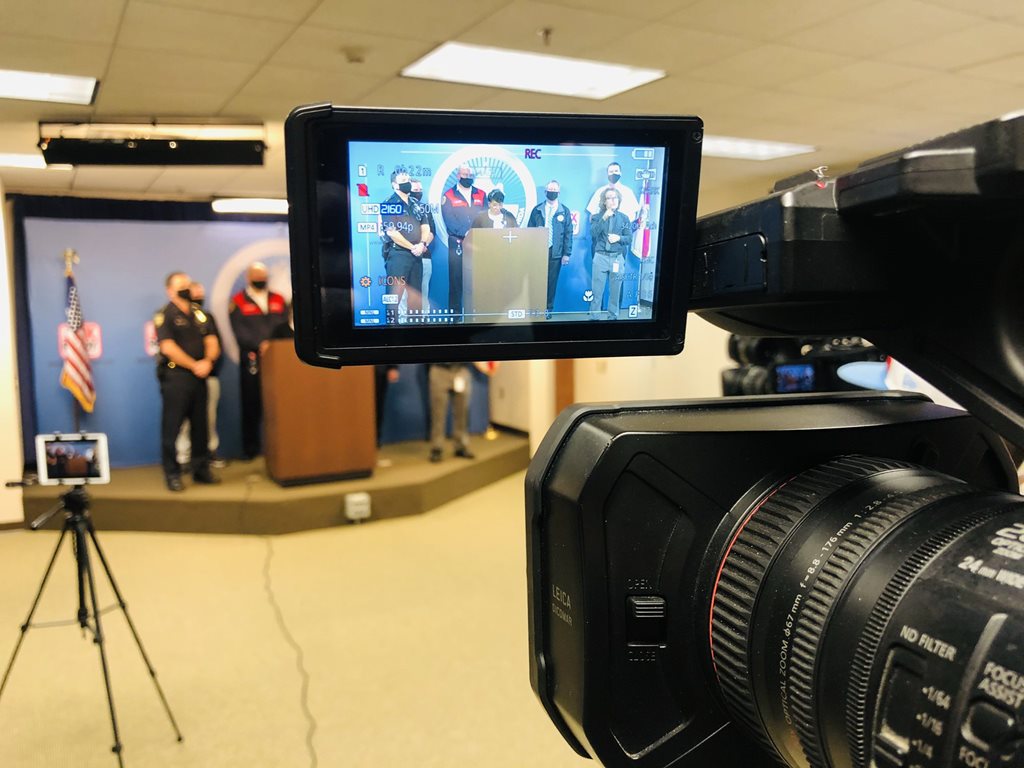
pixel 988 727
pixel 646 622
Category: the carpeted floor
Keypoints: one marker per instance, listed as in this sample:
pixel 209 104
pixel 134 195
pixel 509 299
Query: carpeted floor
pixel 395 643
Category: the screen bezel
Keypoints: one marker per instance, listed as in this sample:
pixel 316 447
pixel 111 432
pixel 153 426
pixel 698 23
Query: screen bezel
pixel 316 139
pixel 102 458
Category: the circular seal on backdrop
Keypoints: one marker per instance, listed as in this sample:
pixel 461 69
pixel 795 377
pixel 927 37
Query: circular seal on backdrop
pixel 494 168
pixel 231 279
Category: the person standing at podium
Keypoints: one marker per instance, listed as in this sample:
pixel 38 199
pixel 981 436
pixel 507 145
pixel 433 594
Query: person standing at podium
pixel 494 216
pixel 557 219
pixel 610 232
pixel 459 206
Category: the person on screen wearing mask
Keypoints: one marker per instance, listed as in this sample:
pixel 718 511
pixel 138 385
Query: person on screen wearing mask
pixel 460 204
pixel 557 219
pixel 404 223
pixel 254 312
pixel 183 445
pixel 426 261
pixel 188 351
pixel 630 205
pixel 610 233
pixel 494 216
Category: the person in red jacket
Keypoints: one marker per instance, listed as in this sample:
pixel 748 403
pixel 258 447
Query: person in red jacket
pixel 460 204
pixel 254 312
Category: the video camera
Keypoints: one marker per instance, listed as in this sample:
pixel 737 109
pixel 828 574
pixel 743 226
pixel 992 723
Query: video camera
pixel 822 580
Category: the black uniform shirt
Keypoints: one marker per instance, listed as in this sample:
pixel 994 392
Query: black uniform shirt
pixel 187 330
pixel 407 218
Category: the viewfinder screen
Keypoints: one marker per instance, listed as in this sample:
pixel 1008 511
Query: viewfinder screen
pixel 449 234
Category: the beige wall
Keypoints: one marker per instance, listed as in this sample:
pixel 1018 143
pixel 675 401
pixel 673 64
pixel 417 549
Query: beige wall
pixel 10 418
pixel 523 397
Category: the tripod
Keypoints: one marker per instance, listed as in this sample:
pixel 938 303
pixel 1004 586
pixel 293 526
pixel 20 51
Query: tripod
pixel 77 522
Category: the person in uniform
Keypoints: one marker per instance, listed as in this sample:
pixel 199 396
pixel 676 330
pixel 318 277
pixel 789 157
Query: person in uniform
pixel 556 217
pixel 494 216
pixel 610 232
pixel 459 206
pixel 450 380
pixel 405 224
pixel 183 445
pixel 188 351
pixel 630 205
pixel 254 312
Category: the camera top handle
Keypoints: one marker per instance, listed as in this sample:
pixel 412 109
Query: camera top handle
pixel 921 251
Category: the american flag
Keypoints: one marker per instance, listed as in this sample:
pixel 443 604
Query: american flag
pixel 76 375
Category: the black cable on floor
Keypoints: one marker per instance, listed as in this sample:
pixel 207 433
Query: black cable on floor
pixel 299 657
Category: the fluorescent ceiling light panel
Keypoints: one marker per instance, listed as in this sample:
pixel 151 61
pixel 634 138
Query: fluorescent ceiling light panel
pixel 32 160
pixel 250 205
pixel 41 86
pixel 751 149
pixel 522 71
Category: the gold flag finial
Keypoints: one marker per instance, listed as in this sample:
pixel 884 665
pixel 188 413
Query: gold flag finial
pixel 70 259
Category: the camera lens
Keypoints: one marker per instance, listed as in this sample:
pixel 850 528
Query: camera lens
pixel 870 613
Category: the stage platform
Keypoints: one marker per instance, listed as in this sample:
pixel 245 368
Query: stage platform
pixel 249 502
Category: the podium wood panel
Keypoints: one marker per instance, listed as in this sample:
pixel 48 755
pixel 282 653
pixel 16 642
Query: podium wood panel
pixel 319 424
pixel 506 269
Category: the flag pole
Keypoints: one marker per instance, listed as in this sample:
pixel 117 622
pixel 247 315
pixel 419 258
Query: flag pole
pixel 70 259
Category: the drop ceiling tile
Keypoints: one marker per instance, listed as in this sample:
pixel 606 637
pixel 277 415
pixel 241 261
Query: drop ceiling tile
pixel 770 66
pixel 142 84
pixel 855 80
pixel 93 22
pixel 521 101
pixel 192 181
pixel 425 94
pixel 113 178
pixel 12 110
pixel 677 51
pixel 885 26
pixel 757 19
pixel 34 54
pixel 274 91
pixel 517 26
pixel 329 49
pixel 438 21
pixel 649 10
pixel 970 99
pixel 200 33
pixel 1009 69
pixel 28 180
pixel 282 10
pixel 972 45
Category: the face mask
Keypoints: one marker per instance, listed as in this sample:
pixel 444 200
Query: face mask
pixel 614 177
pixel 467 183
pixel 185 293
pixel 416 195
pixel 259 285
pixel 552 195
pixel 405 187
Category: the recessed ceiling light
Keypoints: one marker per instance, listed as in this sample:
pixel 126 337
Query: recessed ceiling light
pixel 28 160
pixel 522 71
pixel 250 205
pixel 41 86
pixel 751 149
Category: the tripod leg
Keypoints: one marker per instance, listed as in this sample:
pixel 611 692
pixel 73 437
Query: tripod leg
pixel 135 634
pixel 32 610
pixel 85 565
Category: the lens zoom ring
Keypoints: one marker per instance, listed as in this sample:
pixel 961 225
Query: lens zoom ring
pixel 858 730
pixel 816 609
pixel 747 562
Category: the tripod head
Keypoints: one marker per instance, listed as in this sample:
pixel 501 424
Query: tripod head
pixel 74 504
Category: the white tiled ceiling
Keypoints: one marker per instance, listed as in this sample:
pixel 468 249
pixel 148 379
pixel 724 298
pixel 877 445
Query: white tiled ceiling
pixel 854 79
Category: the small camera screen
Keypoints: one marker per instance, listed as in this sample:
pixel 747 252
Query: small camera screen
pixel 794 377
pixel 72 460
pixel 446 233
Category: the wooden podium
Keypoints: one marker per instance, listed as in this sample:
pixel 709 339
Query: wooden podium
pixel 505 269
pixel 319 424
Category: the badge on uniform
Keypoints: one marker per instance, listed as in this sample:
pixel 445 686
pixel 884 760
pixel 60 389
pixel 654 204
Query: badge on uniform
pixel 158 319
pixel 560 217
